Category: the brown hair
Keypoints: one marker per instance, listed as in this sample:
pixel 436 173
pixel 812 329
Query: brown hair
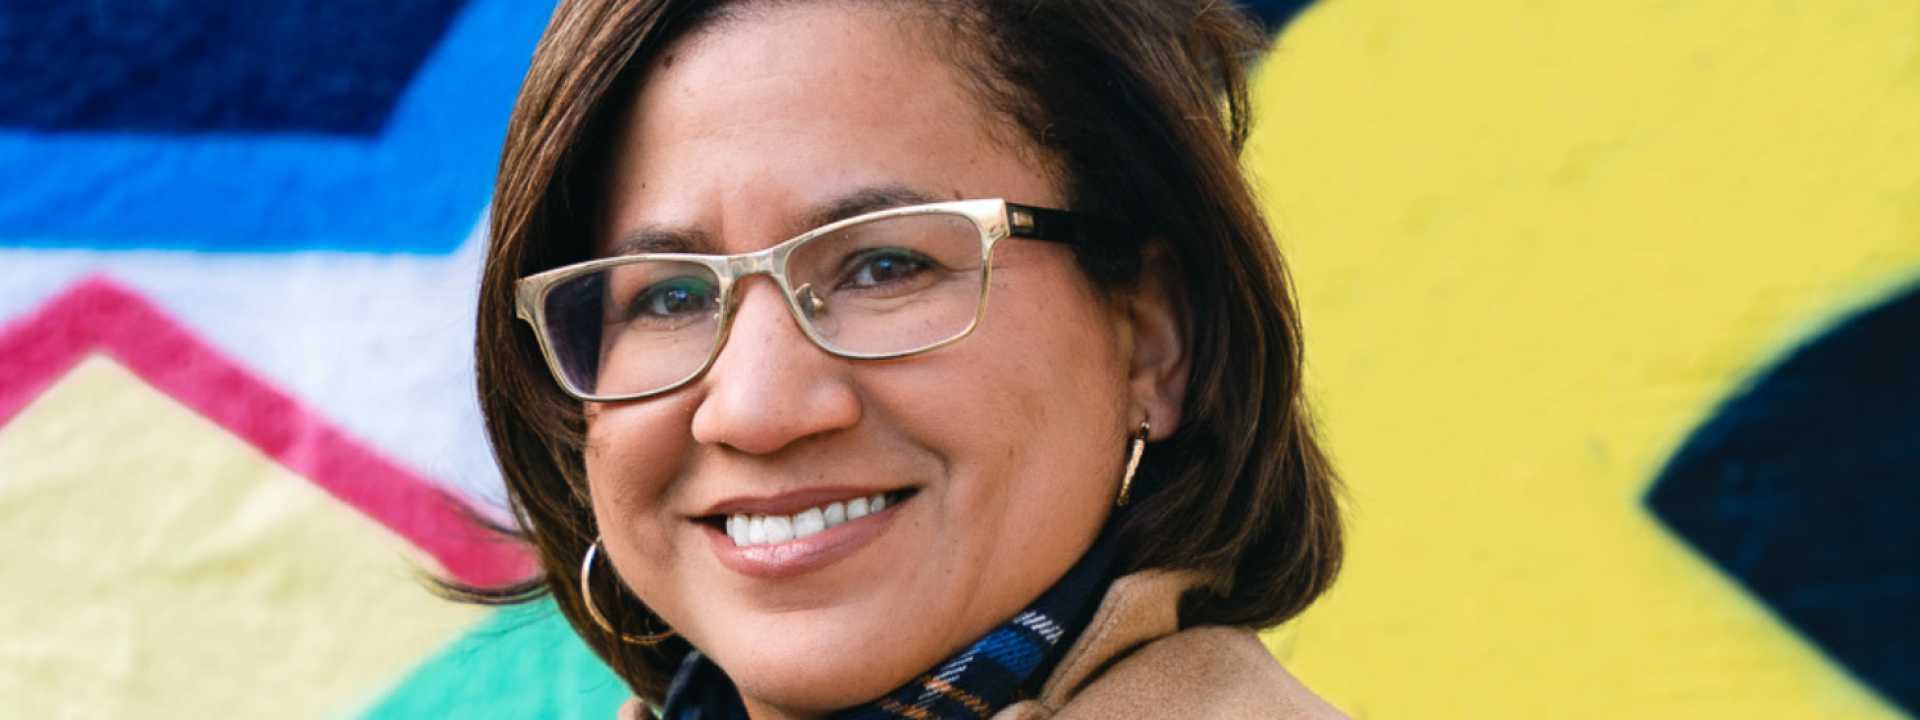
pixel 1139 108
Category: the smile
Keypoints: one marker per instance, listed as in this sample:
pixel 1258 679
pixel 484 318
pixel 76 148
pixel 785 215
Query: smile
pixel 749 530
pixel 816 537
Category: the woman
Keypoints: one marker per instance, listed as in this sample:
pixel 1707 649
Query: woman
pixel 777 452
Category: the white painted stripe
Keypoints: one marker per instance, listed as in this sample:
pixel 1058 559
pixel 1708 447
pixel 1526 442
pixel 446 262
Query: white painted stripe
pixel 379 344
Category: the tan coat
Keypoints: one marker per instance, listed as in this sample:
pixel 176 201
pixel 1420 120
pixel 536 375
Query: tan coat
pixel 1133 661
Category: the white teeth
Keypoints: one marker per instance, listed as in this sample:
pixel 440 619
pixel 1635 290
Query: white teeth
pixel 737 527
pixel 809 522
pixel 779 528
pixel 769 529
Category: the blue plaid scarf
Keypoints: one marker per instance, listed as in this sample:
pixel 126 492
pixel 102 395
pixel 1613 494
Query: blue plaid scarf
pixel 1009 663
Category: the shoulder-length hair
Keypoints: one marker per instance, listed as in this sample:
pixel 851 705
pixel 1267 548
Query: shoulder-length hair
pixel 1139 110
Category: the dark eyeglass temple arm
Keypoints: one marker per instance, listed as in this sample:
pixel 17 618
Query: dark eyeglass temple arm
pixel 1061 226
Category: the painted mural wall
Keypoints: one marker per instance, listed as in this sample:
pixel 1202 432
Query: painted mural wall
pixel 1613 314
pixel 237 431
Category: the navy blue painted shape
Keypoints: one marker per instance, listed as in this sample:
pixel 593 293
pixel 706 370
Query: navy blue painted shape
pixel 187 66
pixel 1275 14
pixel 1806 489
pixel 417 185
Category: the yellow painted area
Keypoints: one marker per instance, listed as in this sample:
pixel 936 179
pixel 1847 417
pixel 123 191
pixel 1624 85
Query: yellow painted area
pixel 1536 244
pixel 158 567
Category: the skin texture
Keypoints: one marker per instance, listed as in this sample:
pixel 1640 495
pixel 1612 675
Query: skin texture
pixel 1011 442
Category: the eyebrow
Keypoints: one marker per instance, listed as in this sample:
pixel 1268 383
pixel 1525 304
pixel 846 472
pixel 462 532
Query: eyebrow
pixel 660 240
pixel 688 240
pixel 866 200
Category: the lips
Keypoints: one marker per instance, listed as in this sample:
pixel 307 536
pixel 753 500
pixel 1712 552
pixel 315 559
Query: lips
pixel 754 529
pixel 803 536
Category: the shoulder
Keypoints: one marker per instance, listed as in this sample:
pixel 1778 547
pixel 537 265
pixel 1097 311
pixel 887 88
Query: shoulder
pixel 1206 672
pixel 1134 661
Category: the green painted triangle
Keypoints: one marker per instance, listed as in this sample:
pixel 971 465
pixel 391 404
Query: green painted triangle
pixel 520 662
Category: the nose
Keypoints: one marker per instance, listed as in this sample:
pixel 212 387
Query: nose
pixel 770 386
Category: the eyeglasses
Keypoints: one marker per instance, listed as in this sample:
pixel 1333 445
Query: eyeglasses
pixel 887 284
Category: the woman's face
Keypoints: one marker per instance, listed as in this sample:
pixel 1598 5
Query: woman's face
pixel 1001 455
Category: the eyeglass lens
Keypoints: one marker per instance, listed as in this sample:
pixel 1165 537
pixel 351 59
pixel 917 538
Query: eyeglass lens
pixel 886 286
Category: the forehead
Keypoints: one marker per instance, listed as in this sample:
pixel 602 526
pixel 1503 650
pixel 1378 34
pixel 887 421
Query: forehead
pixel 807 70
pixel 773 113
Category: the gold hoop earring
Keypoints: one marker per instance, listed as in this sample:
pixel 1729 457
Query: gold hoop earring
pixel 1135 449
pixel 586 597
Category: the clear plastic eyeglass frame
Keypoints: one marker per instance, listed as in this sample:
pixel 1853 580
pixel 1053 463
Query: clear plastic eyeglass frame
pixel 995 219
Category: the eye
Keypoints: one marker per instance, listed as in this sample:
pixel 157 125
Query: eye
pixel 878 267
pixel 674 298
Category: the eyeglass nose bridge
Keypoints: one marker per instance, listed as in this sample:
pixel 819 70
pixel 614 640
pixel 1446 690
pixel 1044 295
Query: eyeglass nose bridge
pixel 803 307
pixel 760 263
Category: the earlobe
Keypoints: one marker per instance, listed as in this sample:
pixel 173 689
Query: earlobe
pixel 1159 321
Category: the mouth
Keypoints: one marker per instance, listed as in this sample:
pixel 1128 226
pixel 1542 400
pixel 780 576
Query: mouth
pixel 793 536
pixel 756 529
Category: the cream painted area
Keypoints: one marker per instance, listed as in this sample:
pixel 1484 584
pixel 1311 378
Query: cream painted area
pixel 158 567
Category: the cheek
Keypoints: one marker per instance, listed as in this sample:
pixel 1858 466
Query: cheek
pixel 1068 351
pixel 1050 407
pixel 1051 381
pixel 629 462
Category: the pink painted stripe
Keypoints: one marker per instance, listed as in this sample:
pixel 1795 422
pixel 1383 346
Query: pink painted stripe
pixel 97 314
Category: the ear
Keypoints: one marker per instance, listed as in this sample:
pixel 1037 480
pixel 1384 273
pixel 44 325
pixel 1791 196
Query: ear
pixel 1157 317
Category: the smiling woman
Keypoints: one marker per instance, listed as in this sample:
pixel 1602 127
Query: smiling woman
pixel 903 359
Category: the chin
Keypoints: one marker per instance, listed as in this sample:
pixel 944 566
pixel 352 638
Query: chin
pixel 810 662
pixel 814 683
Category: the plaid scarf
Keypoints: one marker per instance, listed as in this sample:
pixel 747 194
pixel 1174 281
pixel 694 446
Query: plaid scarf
pixel 1009 663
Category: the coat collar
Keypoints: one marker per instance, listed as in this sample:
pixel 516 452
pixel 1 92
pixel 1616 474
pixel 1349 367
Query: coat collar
pixel 1137 610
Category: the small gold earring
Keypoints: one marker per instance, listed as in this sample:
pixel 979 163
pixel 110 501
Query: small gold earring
pixel 1135 449
pixel 586 596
